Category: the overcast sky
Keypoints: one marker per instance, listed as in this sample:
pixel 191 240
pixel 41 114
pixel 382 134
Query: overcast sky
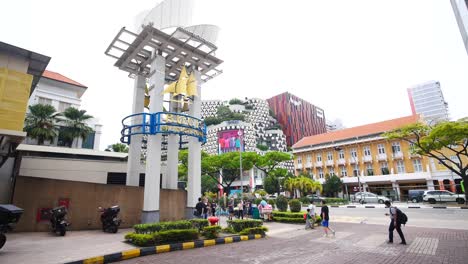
pixel 354 59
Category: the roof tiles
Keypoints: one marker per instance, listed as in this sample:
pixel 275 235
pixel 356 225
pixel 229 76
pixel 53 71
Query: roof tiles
pixel 59 77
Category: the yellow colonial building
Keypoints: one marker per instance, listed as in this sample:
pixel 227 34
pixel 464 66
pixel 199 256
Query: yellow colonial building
pixel 361 156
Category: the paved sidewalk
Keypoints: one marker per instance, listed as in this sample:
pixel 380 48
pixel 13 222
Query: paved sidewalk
pixel 354 243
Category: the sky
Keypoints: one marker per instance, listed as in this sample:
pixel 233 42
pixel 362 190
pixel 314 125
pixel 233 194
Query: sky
pixel 354 59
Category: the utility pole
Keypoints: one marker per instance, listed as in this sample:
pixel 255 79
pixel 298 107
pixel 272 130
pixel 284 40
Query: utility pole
pixel 239 133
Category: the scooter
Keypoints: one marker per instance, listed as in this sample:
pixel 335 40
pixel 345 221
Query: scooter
pixel 9 216
pixel 57 220
pixel 110 221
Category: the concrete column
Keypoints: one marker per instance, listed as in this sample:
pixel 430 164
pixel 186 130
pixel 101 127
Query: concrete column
pixel 171 177
pixel 441 185
pixel 430 185
pixel 194 158
pixel 150 212
pixel 452 186
pixel 396 188
pixel 365 187
pixel 134 149
pixel 97 136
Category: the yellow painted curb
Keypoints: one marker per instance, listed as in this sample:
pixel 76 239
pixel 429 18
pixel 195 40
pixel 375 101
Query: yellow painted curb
pixel 133 253
pixel 244 238
pixel 95 260
pixel 163 248
pixel 228 240
pixel 257 236
pixel 188 245
pixel 207 243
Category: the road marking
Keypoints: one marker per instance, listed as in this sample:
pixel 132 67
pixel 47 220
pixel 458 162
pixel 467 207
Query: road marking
pixel 423 245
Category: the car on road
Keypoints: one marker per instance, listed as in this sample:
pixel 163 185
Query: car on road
pixel 315 198
pixel 368 197
pixel 416 196
pixel 443 196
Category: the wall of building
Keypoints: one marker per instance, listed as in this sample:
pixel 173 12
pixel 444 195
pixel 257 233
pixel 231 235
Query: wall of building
pixel 6 171
pixel 32 194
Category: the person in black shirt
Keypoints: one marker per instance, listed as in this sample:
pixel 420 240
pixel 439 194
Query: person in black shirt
pixel 325 218
pixel 200 207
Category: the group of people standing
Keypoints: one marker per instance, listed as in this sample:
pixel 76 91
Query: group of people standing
pixel 324 214
pixel 203 209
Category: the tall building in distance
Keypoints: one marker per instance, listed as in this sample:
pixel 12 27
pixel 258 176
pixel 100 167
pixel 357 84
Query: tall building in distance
pixel 298 118
pixel 460 8
pixel 427 100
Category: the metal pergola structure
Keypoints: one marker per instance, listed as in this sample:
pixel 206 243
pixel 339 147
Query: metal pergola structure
pixel 181 48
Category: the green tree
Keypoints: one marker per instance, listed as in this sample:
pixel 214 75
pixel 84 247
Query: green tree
pixel 117 147
pixel 270 161
pixel 441 142
pixel 332 185
pixel 75 125
pixel 208 184
pixel 301 185
pixel 183 163
pixel 41 123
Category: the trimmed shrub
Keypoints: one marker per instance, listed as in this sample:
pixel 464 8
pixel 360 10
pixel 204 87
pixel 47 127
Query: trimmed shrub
pixel 171 236
pixel 272 202
pixel 282 203
pixel 161 226
pixel 288 214
pixel 254 230
pixel 336 201
pixel 211 231
pixel 141 240
pixel 229 230
pixel 239 225
pixel 257 201
pixel 305 200
pixel 290 220
pixel 295 205
pixel 198 224
pixel 261 192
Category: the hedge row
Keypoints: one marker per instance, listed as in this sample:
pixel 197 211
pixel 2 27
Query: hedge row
pixel 288 214
pixel 211 231
pixel 254 230
pixel 239 225
pixel 336 201
pixel 173 225
pixel 291 220
pixel 163 237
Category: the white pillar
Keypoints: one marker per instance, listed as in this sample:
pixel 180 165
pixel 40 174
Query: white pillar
pixel 134 149
pixel 430 185
pixel 396 187
pixel 150 212
pixel 172 172
pixel 194 156
pixel 97 136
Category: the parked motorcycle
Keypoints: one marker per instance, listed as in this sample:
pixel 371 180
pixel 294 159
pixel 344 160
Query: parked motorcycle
pixel 110 221
pixel 57 220
pixel 9 216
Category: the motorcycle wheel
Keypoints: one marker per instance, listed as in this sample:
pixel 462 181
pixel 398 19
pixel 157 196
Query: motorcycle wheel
pixel 62 230
pixel 2 240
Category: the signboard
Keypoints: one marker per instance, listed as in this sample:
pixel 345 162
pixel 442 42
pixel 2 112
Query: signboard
pixel 230 141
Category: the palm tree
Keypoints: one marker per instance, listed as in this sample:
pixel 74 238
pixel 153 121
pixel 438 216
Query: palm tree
pixel 117 147
pixel 41 123
pixel 75 125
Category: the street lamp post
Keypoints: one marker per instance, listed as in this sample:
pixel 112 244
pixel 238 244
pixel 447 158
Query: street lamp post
pixel 239 133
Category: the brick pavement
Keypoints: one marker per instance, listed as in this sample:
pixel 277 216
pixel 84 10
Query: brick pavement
pixel 354 243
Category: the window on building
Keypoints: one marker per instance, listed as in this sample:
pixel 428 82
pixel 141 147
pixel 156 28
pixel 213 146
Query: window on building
pixel 119 178
pixel 370 170
pixel 63 106
pixel 411 146
pixel 384 168
pixel 396 148
pixel 353 153
pixel 309 158
pixel 417 165
pixel 320 173
pixel 319 157
pixel 299 159
pixel 343 171
pixel 329 155
pixel 454 159
pixel 400 166
pixel 381 148
pixel 331 171
pixel 341 154
pixel 356 170
pixel 367 151
pixel 44 101
pixel 88 143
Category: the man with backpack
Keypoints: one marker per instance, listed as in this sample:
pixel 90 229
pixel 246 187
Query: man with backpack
pixel 397 218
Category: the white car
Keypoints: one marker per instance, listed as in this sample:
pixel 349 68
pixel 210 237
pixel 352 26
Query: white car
pixel 367 197
pixel 443 196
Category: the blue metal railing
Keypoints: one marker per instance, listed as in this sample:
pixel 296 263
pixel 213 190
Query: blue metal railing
pixel 156 123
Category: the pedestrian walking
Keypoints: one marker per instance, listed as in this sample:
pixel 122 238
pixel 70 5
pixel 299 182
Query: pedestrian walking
pixel 325 214
pixel 200 208
pixel 308 220
pixel 231 208
pixel 395 223
pixel 213 208
pixel 311 210
pixel 241 209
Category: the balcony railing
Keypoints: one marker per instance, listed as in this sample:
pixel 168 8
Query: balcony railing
pixel 414 155
pixel 330 163
pixel 318 164
pixel 382 156
pixel 367 159
pixel 299 166
pixel 308 165
pixel 352 160
pixel 341 161
pixel 397 155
